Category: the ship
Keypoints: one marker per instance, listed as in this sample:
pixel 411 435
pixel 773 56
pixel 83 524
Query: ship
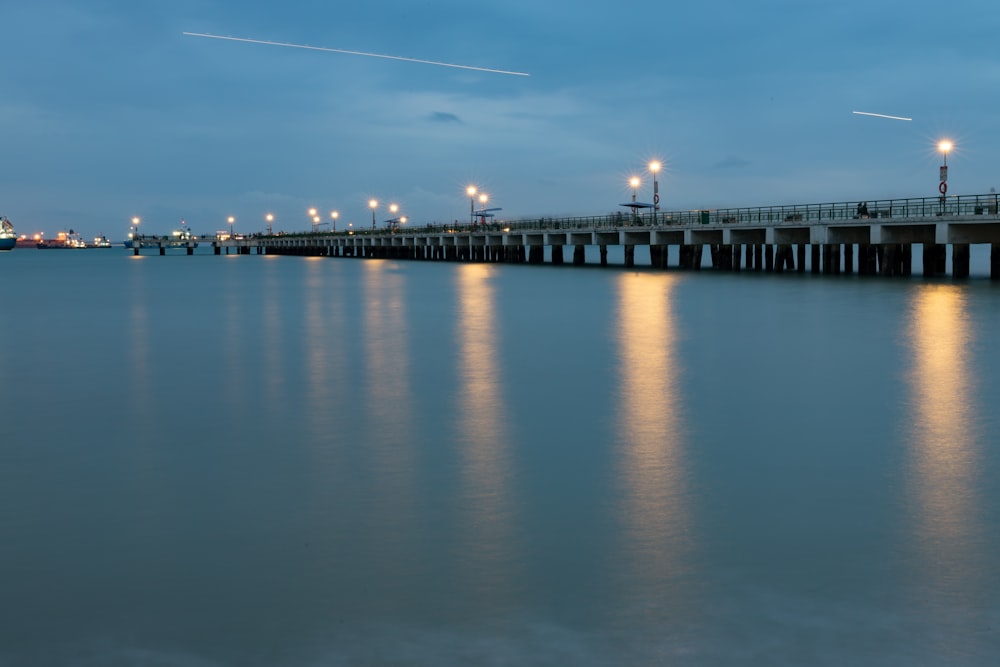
pixel 63 241
pixel 100 242
pixel 8 237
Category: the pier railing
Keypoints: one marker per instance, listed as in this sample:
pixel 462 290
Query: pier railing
pixel 856 211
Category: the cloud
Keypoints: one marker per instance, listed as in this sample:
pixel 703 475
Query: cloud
pixel 443 117
pixel 732 162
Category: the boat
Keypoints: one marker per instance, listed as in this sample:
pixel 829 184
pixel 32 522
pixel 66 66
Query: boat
pixel 100 242
pixel 64 241
pixel 8 237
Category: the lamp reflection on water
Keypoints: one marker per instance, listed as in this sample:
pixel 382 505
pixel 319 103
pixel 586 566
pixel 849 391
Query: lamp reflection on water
pixel 484 455
pixel 272 327
pixel 653 469
pixel 388 393
pixel 943 489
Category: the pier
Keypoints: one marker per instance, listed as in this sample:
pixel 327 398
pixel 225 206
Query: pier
pixel 868 238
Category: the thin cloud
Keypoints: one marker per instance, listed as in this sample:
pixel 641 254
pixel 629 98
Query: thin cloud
pixel 444 117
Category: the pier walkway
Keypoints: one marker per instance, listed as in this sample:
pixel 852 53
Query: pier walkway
pixel 871 238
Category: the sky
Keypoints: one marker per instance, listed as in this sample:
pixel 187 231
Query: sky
pixel 108 111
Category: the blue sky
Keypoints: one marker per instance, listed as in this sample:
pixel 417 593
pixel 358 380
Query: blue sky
pixel 108 111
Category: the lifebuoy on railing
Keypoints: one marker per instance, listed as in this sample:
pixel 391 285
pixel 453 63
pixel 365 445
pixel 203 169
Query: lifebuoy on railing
pixel 943 188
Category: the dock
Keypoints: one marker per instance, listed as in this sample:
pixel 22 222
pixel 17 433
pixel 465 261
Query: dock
pixel 869 238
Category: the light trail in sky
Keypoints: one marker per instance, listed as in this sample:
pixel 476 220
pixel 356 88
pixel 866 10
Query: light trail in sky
pixel 880 115
pixel 356 53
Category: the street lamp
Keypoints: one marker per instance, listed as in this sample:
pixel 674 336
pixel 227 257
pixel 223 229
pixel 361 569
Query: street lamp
pixel 654 167
pixel 483 198
pixel 270 218
pixel 333 216
pixel 232 221
pixel 471 191
pixel 944 146
pixel 373 204
pixel 135 225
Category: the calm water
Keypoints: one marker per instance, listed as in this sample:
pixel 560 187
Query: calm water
pixel 225 461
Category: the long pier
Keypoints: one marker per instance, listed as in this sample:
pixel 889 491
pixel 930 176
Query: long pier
pixel 870 238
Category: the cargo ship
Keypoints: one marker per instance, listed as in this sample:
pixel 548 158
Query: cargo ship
pixel 8 238
pixel 64 240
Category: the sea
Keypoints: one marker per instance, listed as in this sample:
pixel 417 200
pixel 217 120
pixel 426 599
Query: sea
pixel 243 461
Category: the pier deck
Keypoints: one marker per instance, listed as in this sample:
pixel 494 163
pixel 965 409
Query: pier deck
pixel 776 238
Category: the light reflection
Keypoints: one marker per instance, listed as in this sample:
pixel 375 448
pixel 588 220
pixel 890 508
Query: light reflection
pixel 946 516
pixel 482 437
pixel 314 346
pixel 235 341
pixel 388 400
pixel 274 347
pixel 653 466
pixel 140 355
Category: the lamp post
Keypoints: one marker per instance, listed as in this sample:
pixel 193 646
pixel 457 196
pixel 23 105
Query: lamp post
pixel 654 167
pixel 333 216
pixel 373 204
pixel 634 182
pixel 393 221
pixel 232 221
pixel 483 198
pixel 471 191
pixel 135 226
pixel 944 146
pixel 312 216
pixel 269 218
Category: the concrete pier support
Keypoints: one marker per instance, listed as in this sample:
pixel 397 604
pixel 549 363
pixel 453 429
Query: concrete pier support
pixel 787 257
pixel 814 253
pixel 658 256
pixel 686 260
pixel 604 255
pixel 737 257
pixel 935 259
pixel 629 255
pixel 769 258
pixel 726 257
pixel 758 257
pixel 801 252
pixel 960 260
pixel 827 251
pixel 891 259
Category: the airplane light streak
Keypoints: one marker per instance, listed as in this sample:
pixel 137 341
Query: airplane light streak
pixel 880 115
pixel 356 53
